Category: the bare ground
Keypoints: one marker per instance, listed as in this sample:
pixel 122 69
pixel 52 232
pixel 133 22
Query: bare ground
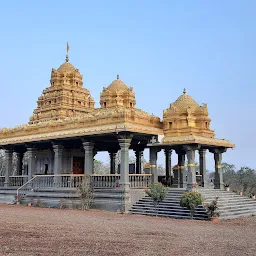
pixel 42 231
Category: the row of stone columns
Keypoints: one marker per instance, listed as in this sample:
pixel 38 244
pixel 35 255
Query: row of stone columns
pixel 187 178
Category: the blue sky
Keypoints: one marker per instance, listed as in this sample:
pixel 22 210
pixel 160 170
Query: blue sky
pixel 158 47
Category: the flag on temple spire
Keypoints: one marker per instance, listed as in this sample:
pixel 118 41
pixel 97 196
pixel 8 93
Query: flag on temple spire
pixel 67 52
pixel 67 47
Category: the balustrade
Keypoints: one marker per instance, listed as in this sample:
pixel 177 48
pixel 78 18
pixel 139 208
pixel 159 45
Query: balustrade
pixel 17 181
pixel 74 181
pixel 140 180
pixel 105 181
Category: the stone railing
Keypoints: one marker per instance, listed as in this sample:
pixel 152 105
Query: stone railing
pixel 140 180
pixel 74 180
pixel 105 181
pixel 17 181
pixel 58 181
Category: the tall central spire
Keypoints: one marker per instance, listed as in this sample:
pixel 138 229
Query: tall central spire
pixel 67 52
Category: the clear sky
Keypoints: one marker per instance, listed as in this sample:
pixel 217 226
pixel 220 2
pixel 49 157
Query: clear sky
pixel 157 47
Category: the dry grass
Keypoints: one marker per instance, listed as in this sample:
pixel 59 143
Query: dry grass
pixel 37 231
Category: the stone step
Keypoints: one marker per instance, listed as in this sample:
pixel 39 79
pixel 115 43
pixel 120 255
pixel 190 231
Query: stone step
pixel 166 213
pixel 172 216
pixel 230 204
pixel 163 207
pixel 235 213
pixel 222 206
pixel 234 216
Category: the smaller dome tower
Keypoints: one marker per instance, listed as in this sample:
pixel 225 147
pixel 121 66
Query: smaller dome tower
pixel 186 117
pixel 117 94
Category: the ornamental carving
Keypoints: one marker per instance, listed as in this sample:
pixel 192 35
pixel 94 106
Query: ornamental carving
pixel 66 109
pixel 64 98
pixel 186 117
pixel 117 94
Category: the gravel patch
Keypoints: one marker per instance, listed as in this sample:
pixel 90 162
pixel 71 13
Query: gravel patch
pixel 42 231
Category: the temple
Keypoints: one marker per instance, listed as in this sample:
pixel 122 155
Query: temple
pixel 66 130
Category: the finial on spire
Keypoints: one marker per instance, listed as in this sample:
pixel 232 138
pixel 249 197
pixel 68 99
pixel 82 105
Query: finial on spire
pixel 67 52
pixel 184 91
pixel 117 77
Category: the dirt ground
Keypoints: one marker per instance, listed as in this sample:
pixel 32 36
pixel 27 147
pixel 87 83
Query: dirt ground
pixel 42 231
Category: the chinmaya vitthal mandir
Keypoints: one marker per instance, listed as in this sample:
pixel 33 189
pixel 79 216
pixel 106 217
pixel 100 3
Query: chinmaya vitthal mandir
pixel 56 149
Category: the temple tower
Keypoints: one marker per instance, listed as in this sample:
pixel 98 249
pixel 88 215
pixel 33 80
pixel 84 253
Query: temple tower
pixel 117 94
pixel 186 117
pixel 65 97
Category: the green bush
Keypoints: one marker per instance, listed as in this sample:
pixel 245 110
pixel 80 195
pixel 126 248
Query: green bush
pixel 191 200
pixel 212 209
pixel 157 192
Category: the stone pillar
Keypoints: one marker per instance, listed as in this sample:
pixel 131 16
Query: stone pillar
pixel 20 163
pixel 8 166
pixel 31 162
pixel 93 162
pixel 202 166
pixel 88 157
pixel 153 161
pixel 112 162
pixel 138 154
pixel 168 165
pixel 182 171
pixel 218 178
pixel 58 159
pixel 191 174
pixel 124 166
pixel 124 173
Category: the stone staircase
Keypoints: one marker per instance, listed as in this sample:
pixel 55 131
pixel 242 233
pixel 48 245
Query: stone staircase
pixel 170 207
pixel 230 205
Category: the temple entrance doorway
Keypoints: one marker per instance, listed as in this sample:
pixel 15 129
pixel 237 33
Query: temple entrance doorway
pixel 78 165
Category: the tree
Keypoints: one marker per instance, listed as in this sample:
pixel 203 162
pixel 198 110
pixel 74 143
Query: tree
pixel 191 200
pixel 243 180
pixel 160 169
pixel 100 167
pixel 158 193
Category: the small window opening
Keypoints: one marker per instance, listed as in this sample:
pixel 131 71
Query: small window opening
pixel 131 105
pixel 76 83
pixel 105 104
pixel 170 125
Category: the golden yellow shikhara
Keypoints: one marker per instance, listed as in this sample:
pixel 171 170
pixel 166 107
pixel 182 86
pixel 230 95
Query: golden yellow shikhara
pixel 185 121
pixel 186 117
pixel 66 109
pixel 117 94
pixel 64 98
